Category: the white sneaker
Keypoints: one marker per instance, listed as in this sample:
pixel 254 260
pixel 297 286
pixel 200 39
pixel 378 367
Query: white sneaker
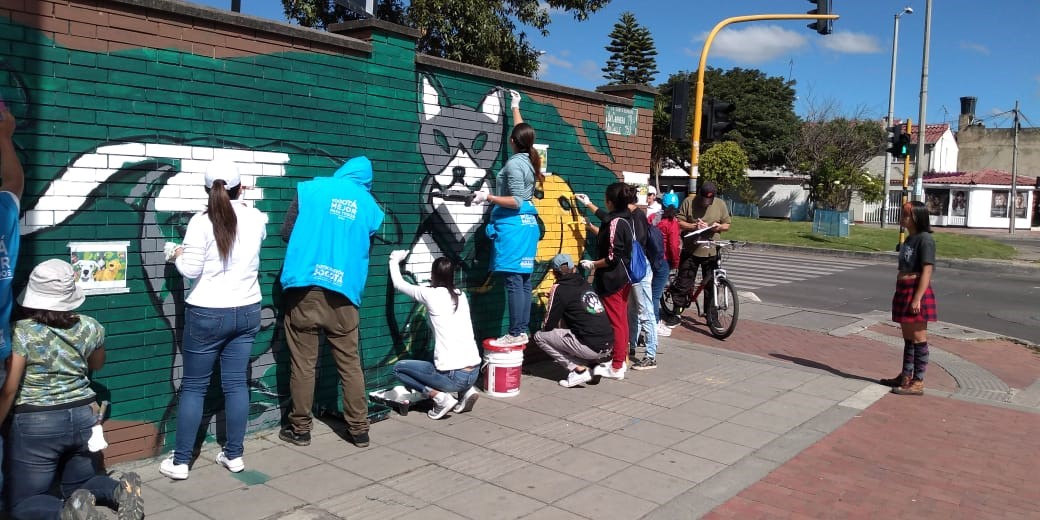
pixel 233 465
pixel 442 404
pixel 663 330
pixel 466 401
pixel 174 471
pixel 576 378
pixel 510 340
pixel 608 371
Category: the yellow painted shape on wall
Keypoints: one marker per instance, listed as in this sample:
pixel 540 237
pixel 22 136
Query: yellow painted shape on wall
pixel 564 230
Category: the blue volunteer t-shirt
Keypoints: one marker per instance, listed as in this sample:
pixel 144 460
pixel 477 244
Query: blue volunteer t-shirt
pixel 9 239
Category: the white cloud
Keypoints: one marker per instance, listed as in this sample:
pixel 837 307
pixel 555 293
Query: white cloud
pixel 589 70
pixel 544 6
pixel 548 61
pixel 754 44
pixel 850 43
pixel 975 47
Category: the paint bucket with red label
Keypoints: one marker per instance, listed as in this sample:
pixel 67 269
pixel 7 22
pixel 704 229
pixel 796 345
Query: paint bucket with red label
pixel 502 365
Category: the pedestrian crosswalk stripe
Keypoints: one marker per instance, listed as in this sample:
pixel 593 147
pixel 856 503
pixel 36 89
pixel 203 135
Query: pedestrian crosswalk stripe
pixel 750 270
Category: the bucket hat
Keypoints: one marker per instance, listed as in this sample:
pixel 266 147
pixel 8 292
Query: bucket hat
pixel 52 287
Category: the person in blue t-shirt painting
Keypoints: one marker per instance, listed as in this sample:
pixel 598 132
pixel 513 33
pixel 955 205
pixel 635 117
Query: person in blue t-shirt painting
pixel 513 226
pixel 329 227
pixel 12 179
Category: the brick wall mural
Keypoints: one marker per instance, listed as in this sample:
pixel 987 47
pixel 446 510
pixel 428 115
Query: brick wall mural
pixel 121 107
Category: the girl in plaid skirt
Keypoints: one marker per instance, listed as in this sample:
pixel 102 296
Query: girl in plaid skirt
pixel 913 304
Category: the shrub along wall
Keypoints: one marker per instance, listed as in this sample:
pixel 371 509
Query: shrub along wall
pixel 121 106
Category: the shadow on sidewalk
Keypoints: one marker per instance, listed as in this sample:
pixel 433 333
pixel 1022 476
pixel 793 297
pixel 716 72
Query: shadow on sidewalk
pixel 816 364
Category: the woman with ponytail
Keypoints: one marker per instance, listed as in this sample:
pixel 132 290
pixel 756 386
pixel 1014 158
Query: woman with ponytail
pixel 221 255
pixel 514 224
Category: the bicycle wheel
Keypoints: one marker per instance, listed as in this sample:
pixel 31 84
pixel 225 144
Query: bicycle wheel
pixel 668 309
pixel 722 315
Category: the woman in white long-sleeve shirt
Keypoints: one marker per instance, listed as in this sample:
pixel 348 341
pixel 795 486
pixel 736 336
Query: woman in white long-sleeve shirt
pixel 221 255
pixel 456 362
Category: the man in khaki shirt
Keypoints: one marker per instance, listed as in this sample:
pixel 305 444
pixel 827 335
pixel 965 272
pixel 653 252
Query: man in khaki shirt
pixel 696 213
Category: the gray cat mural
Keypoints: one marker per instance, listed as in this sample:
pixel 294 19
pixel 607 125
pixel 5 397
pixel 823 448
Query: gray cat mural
pixel 459 145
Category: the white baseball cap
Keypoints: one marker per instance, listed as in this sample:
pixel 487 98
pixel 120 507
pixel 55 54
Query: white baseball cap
pixel 224 170
pixel 651 190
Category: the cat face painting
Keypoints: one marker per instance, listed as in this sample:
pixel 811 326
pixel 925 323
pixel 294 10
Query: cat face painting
pixel 459 144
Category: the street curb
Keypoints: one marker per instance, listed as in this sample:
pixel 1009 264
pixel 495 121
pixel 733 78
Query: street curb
pixel 972 264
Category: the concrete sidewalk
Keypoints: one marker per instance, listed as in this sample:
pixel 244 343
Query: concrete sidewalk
pixel 709 432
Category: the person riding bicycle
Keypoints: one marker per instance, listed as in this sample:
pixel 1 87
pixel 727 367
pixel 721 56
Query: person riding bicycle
pixel 697 213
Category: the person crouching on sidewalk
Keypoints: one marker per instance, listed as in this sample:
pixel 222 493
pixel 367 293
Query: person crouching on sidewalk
pixel 913 304
pixel 456 362
pixel 53 474
pixel 585 337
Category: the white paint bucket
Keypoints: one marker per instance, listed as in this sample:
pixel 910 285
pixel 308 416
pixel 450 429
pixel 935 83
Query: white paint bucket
pixel 502 367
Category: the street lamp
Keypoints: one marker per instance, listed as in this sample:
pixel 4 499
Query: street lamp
pixel 891 106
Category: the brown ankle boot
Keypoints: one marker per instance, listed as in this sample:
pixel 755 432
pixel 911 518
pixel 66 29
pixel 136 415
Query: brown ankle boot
pixel 915 387
pixel 896 382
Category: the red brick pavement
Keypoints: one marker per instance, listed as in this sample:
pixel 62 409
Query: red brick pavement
pixel 1014 364
pixel 908 457
pixel 850 356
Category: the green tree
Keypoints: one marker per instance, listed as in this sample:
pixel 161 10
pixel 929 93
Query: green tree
pixel 726 165
pixel 766 124
pixel 632 53
pixel 662 146
pixel 833 149
pixel 478 32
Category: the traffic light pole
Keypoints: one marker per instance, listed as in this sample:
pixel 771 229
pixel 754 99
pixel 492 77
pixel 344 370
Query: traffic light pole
pixel 906 183
pixel 698 98
pixel 891 109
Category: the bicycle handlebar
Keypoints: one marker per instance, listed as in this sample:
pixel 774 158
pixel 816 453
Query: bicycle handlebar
pixel 733 244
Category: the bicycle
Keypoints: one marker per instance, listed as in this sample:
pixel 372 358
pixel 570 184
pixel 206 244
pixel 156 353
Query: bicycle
pixel 722 315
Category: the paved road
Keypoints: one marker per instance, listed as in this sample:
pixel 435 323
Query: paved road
pixel 1003 303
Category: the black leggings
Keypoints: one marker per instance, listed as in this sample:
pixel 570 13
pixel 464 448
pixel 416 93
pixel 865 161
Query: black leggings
pixel 686 278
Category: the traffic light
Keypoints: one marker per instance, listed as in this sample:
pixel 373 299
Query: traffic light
pixel 821 26
pixel 717 120
pixel 680 110
pixel 899 142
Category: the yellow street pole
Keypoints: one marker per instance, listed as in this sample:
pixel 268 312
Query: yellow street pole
pixel 906 179
pixel 698 98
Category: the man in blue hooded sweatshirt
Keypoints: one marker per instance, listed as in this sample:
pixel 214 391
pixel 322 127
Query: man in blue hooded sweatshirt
pixel 329 228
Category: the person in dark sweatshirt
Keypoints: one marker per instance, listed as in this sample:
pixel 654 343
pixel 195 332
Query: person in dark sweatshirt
pixel 577 332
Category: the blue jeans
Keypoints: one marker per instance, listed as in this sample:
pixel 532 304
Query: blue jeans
pixel 518 297
pixel 661 271
pixel 424 376
pixel 645 316
pixel 39 444
pixel 208 334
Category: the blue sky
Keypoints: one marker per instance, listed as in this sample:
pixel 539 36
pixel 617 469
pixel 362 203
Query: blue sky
pixel 984 49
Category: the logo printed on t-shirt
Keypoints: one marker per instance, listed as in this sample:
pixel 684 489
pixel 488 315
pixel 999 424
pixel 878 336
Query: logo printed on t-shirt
pixel 5 260
pixel 592 303
pixel 329 274
pixel 344 209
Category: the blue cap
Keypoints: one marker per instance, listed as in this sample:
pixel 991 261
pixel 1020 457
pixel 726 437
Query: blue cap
pixel 562 259
pixel 670 199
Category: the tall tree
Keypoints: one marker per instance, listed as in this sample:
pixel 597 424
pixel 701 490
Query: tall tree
pixel 766 125
pixel 478 32
pixel 632 53
pixel 833 149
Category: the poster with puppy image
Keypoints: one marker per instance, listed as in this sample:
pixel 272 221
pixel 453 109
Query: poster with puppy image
pixel 100 266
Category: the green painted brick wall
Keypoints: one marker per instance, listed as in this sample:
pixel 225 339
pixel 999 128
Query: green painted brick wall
pixel 113 143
